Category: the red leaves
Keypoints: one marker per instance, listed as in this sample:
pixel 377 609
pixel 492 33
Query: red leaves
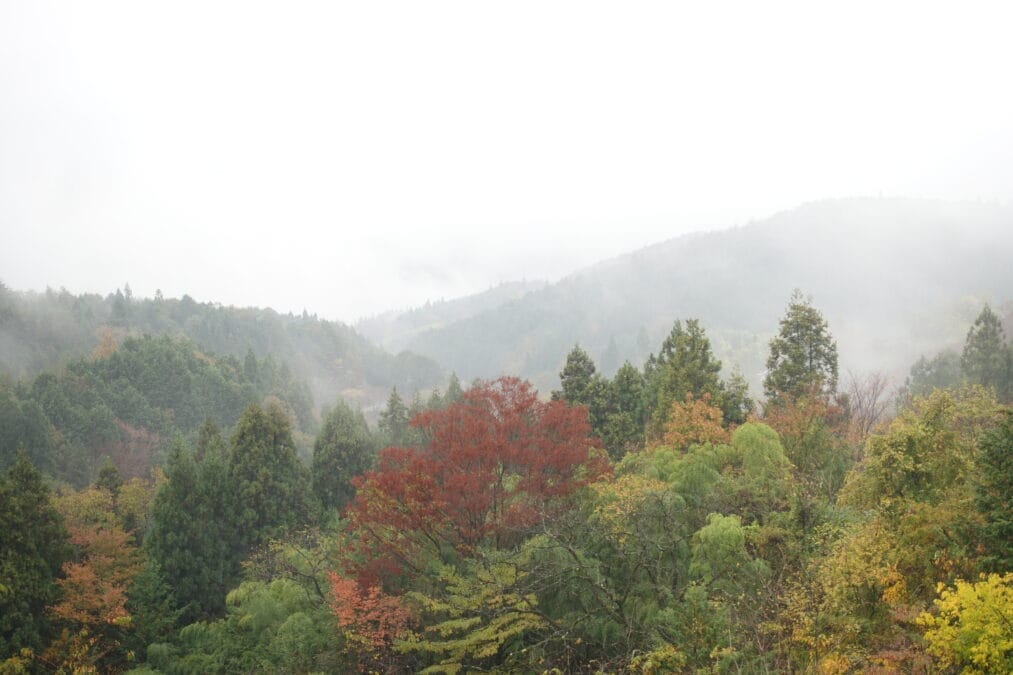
pixel 368 616
pixel 495 463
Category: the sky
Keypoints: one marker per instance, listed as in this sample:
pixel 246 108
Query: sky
pixel 353 157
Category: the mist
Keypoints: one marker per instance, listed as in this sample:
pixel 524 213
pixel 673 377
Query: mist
pixel 352 160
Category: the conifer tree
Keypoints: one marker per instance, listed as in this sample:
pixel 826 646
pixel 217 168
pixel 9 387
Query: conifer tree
pixel 803 355
pixel 33 547
pixel 685 365
pixel 344 449
pixel 271 485
pixel 986 358
pixel 394 420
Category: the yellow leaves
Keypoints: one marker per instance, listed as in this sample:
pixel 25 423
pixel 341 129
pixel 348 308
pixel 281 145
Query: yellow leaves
pixel 618 501
pixel 973 626
pixel 695 421
pixel 664 659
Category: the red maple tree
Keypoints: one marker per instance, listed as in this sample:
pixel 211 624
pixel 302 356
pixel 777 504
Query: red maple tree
pixel 496 462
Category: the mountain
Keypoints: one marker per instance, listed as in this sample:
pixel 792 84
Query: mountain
pixel 895 278
pixel 40 331
pixel 394 330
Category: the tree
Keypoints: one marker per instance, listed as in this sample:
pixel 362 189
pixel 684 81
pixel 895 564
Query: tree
pixel 986 359
pixel 33 548
pixel 343 449
pixel 993 494
pixel 195 542
pixel 580 384
pixel 940 372
pixel 494 465
pixel 695 421
pixel 454 392
pixel 623 429
pixel 393 423
pixel 270 483
pixel 94 584
pixel 803 356
pixel 974 625
pixel 685 365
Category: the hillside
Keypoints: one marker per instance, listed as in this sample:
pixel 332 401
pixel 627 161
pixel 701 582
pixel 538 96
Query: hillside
pixel 40 331
pixel 918 270
pixel 394 330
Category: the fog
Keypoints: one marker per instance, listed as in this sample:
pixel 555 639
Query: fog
pixel 353 158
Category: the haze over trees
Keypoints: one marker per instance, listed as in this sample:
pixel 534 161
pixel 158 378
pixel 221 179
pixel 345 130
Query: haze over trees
pixel 168 508
pixel 857 257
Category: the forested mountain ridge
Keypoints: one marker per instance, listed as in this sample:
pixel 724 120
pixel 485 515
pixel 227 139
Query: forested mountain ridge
pixel 40 331
pixel 918 270
pixel 124 405
pixel 393 330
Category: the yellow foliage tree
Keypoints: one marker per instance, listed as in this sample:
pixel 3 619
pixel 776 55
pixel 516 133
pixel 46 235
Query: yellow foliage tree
pixel 973 627
pixel 695 421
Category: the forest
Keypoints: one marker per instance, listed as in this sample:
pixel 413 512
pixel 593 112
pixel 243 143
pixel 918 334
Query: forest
pixel 173 503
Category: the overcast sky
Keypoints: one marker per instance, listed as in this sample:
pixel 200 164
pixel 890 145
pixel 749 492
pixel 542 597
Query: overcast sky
pixel 349 158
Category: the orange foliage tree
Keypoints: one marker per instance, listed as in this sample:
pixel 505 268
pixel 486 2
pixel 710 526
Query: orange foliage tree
pixel 495 464
pixel 695 421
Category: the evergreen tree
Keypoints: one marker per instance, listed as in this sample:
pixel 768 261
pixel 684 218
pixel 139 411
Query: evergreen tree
pixel 685 365
pixel 33 547
pixel 194 542
pixel 986 359
pixel 580 384
pixel 454 391
pixel 803 356
pixel 623 429
pixel 209 439
pixel 270 483
pixel 394 420
pixel 344 449
pixel 940 372
pixel 109 478
pixel 994 494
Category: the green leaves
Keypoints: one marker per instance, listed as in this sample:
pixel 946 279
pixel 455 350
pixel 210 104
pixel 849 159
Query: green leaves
pixel 803 355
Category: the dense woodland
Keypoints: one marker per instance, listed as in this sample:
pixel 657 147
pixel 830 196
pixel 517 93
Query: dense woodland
pixel 166 506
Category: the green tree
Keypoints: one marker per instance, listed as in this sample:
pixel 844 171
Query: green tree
pixel 940 372
pixel 993 494
pixel 803 356
pixel 195 542
pixel 33 547
pixel 580 384
pixel 344 449
pixel 986 359
pixel 271 485
pixel 623 429
pixel 393 423
pixel 454 392
pixel 685 365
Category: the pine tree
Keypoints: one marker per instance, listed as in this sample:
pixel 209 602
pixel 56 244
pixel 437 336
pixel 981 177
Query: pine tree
pixel 803 356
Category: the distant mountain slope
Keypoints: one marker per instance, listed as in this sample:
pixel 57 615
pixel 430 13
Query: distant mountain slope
pixel 394 330
pixel 42 330
pixel 894 277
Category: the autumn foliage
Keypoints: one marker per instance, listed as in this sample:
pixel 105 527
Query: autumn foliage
pixel 495 463
pixel 695 420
